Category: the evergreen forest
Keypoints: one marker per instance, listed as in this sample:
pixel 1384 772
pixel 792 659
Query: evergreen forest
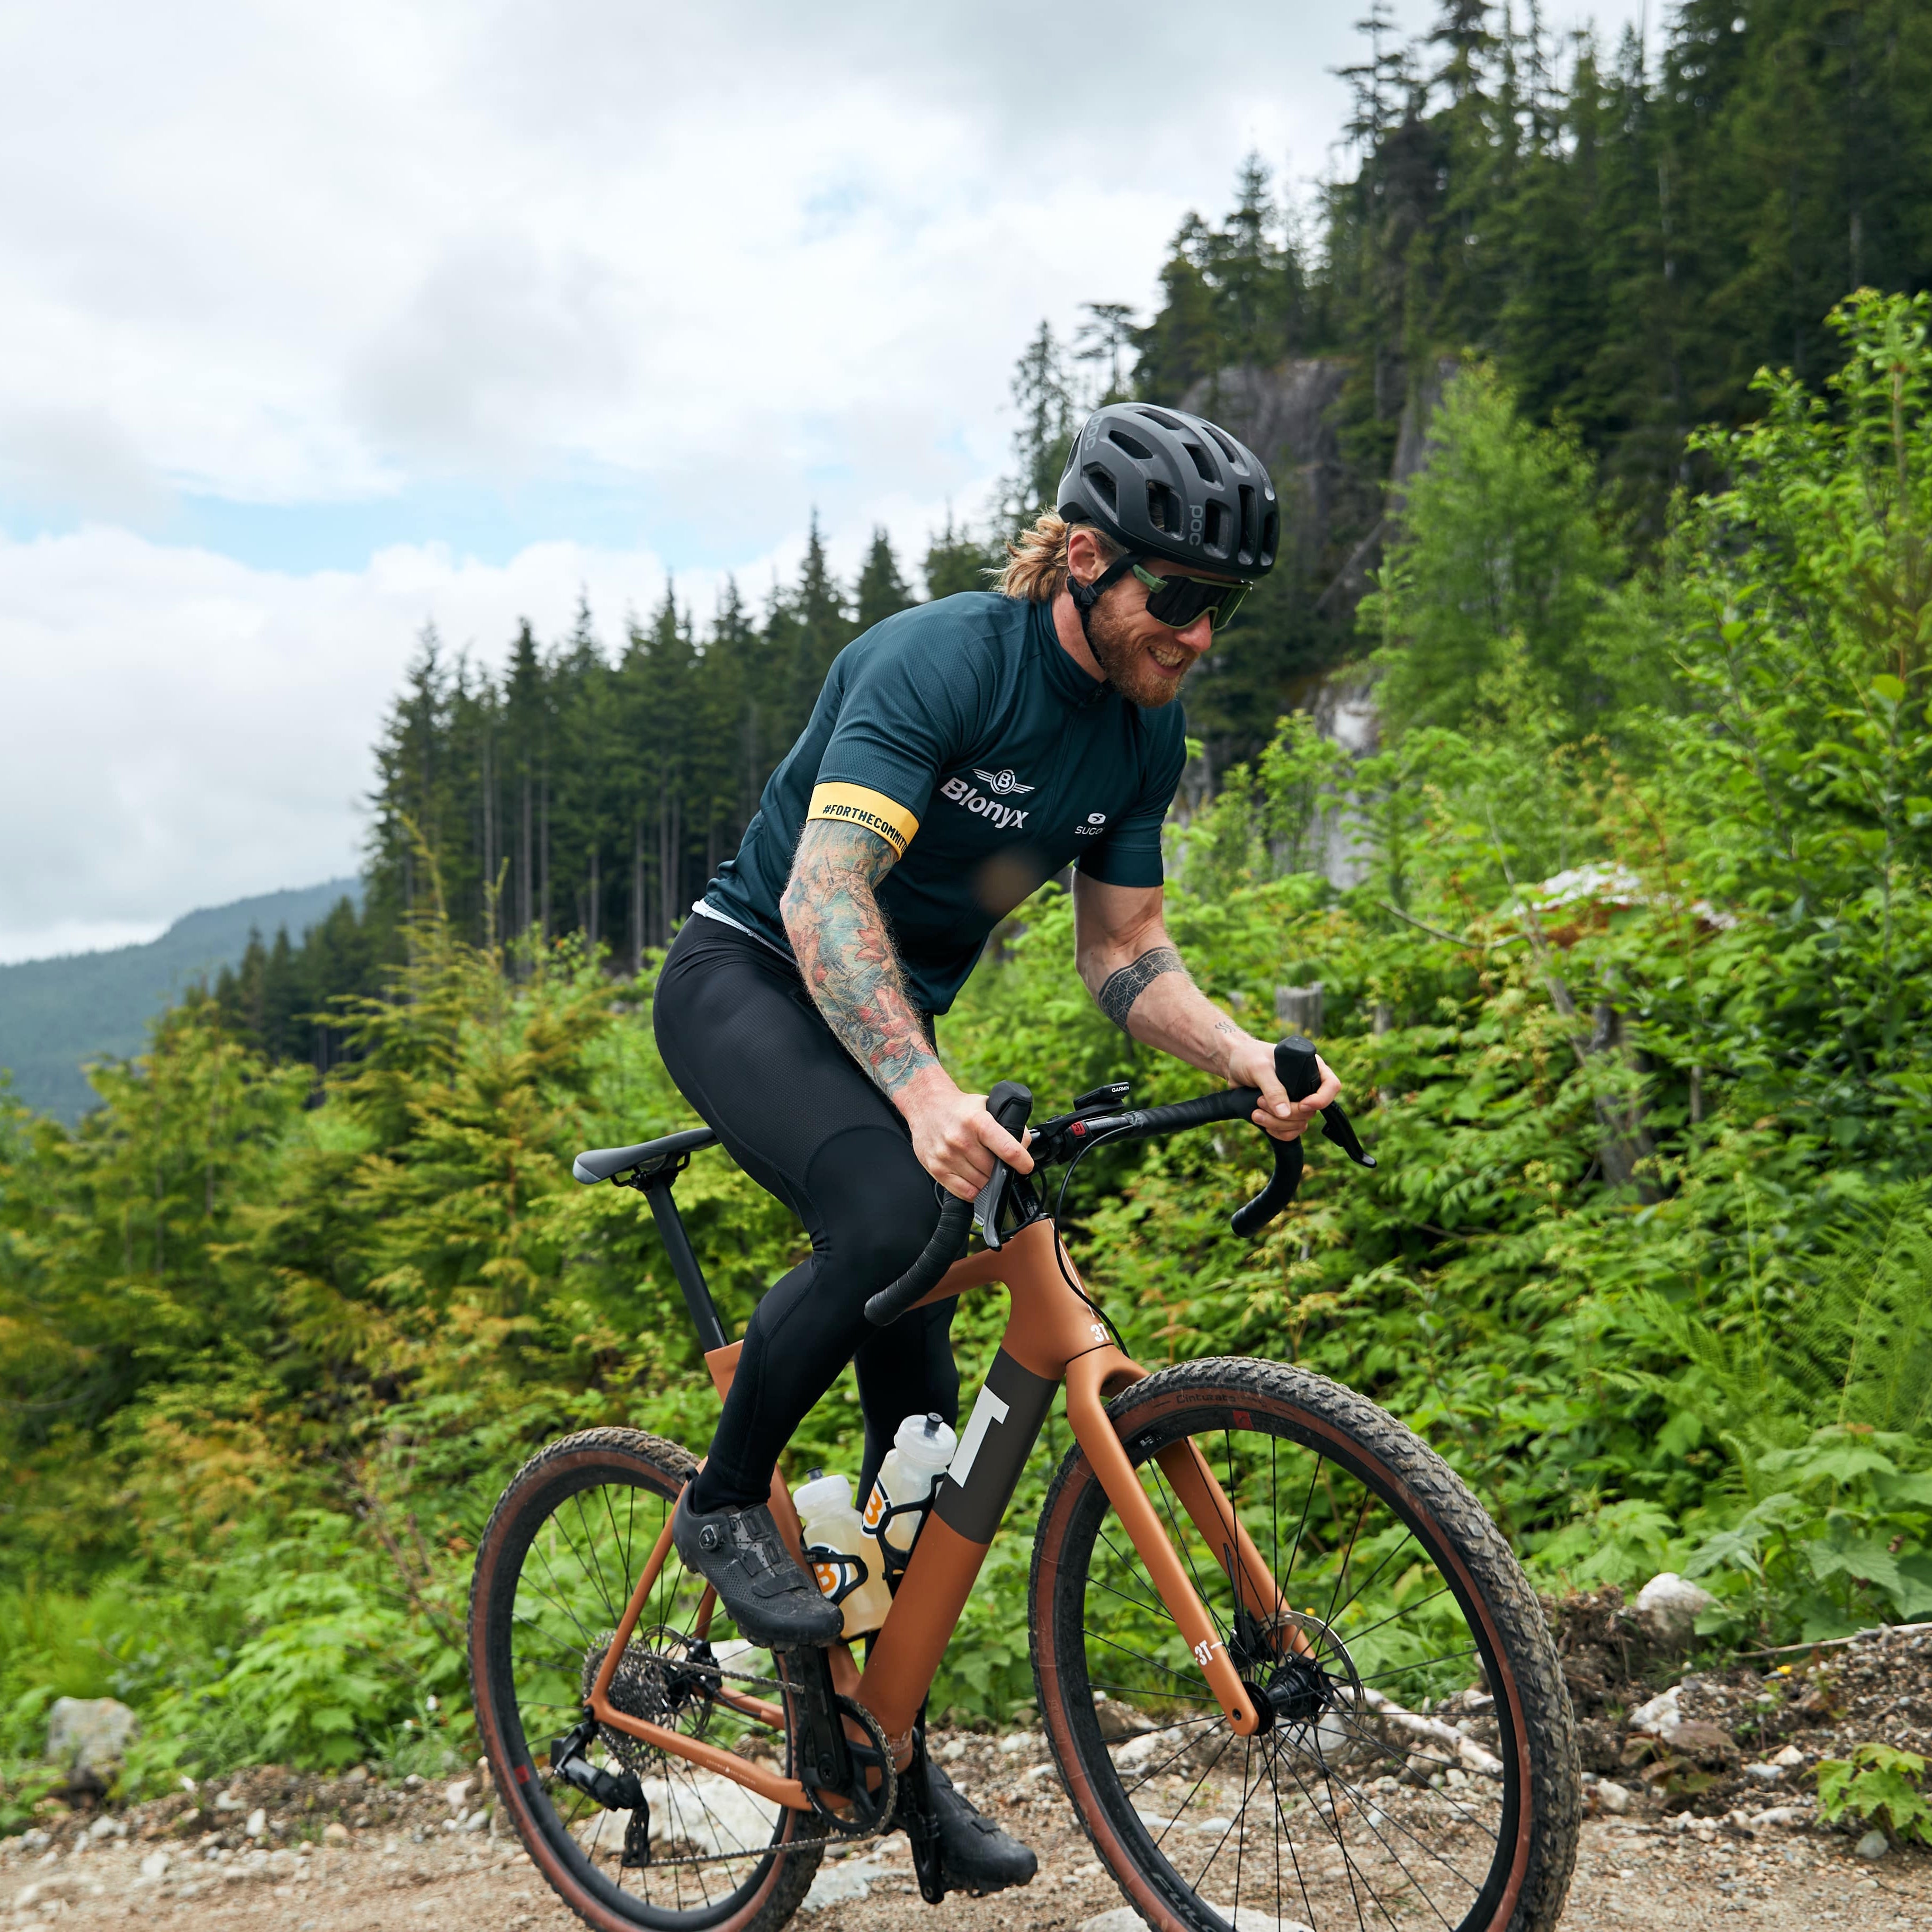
pixel 1624 992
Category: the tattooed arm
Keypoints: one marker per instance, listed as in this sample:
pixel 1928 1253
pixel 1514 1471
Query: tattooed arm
pixel 1132 969
pixel 845 957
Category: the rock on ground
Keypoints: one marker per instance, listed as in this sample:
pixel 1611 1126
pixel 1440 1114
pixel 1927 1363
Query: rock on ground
pixel 88 1737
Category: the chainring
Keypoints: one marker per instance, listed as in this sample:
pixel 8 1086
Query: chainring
pixel 871 1809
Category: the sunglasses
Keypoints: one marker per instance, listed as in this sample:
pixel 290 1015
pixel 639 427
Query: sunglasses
pixel 1178 601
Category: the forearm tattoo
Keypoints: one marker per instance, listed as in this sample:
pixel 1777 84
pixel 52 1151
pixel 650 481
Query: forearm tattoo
pixel 1120 990
pixel 845 954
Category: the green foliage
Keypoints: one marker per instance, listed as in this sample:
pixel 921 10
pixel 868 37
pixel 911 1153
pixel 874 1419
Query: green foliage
pixel 1628 1018
pixel 1879 1787
pixel 1501 548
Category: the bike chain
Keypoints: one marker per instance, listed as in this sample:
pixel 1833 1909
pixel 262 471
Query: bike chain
pixel 634 1756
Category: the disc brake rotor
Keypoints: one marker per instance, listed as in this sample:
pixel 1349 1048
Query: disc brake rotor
pixel 1304 1671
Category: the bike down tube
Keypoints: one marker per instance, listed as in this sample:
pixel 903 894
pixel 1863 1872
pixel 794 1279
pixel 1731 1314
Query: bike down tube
pixel 1051 1335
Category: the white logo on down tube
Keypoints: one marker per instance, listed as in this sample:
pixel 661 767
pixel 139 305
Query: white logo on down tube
pixel 987 1411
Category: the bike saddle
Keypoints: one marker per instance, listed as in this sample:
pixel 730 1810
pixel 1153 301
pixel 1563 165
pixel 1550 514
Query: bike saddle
pixel 647 1156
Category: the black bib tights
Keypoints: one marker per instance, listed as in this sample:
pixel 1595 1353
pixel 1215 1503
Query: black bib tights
pixel 739 1035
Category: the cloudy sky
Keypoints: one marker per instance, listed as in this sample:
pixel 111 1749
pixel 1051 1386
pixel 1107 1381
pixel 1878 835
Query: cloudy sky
pixel 324 322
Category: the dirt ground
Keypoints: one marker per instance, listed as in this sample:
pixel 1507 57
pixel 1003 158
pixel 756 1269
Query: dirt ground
pixel 1628 1875
pixel 1694 1824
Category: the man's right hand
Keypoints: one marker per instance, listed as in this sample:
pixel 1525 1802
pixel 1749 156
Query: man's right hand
pixel 956 1140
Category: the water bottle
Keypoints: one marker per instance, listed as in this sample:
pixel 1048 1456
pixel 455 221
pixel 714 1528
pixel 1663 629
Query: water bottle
pixel 844 1562
pixel 921 1453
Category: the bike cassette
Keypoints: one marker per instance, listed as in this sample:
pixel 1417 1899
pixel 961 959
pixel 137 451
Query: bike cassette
pixel 863 1808
pixel 663 1677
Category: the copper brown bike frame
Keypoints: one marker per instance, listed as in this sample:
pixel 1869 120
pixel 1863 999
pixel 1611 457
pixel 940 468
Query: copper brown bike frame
pixel 1051 1336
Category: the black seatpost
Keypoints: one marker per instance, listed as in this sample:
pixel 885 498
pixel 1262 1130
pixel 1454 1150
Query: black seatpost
pixel 684 1263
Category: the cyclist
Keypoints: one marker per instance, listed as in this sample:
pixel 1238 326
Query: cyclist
pixel 960 753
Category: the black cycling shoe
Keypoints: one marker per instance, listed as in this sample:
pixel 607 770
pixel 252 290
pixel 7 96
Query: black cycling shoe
pixel 975 1855
pixel 761 1584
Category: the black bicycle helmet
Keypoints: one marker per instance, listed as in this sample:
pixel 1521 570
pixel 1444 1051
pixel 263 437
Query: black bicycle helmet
pixel 1165 484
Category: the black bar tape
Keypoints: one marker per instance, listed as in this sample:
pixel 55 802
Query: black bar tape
pixel 956 1220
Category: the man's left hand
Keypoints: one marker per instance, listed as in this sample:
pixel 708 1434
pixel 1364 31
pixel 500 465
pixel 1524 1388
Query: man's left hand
pixel 1251 1064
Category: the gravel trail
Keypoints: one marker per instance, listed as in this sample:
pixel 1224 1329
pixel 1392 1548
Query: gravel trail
pixel 1701 1816
pixel 409 1870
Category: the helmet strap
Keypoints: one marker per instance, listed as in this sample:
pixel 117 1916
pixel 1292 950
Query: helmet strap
pixel 1086 596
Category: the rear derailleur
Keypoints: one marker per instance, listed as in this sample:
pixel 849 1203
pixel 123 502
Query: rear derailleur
pixel 616 1791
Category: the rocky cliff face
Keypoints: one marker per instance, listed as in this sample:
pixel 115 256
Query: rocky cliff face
pixel 1286 416
pixel 1334 515
pixel 1335 520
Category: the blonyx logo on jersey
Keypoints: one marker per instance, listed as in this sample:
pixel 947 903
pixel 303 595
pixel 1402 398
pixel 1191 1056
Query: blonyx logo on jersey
pixel 964 792
pixel 1004 784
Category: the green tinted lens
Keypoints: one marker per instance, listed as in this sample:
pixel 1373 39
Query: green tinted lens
pixel 1178 601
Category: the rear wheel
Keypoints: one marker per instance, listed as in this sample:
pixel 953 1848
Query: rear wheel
pixel 555 1569
pixel 1418 1762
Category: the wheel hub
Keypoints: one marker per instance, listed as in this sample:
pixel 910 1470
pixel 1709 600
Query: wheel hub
pixel 1301 1673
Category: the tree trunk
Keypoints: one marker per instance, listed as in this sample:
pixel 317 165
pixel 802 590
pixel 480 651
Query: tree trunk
pixel 544 906
pixel 637 895
pixel 527 880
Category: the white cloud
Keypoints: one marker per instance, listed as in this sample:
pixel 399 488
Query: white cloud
pixel 195 731
pixel 723 263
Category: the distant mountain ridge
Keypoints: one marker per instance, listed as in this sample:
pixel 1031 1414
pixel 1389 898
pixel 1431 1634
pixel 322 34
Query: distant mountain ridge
pixel 57 1014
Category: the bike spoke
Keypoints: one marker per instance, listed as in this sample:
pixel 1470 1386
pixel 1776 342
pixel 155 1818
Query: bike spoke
pixel 1384 1857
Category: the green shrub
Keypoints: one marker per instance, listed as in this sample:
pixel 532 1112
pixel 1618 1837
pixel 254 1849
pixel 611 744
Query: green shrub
pixel 1878 1786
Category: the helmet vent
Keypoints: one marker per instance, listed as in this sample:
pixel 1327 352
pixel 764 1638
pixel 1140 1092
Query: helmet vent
pixel 1139 450
pixel 1163 508
pixel 1247 495
pixel 1097 480
pixel 1202 467
pixel 1271 536
pixel 1162 417
pixel 1231 450
pixel 1214 537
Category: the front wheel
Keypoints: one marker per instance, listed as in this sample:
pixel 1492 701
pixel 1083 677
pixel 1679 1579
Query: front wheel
pixel 1418 1761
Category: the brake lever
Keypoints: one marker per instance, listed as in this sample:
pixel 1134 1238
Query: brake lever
pixel 1009 1103
pixel 1299 1071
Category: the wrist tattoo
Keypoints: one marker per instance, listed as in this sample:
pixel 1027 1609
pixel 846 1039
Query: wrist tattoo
pixel 1120 990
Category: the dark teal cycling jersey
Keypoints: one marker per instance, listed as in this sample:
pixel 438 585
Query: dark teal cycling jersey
pixel 963 734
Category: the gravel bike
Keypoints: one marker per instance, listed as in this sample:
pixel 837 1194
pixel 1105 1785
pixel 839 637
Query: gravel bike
pixel 1290 1673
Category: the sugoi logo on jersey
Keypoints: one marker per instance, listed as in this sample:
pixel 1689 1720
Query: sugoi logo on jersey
pixel 1096 824
pixel 1002 784
pixel 963 792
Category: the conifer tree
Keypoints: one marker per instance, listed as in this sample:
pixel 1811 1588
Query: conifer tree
pixel 956 560
pixel 882 590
